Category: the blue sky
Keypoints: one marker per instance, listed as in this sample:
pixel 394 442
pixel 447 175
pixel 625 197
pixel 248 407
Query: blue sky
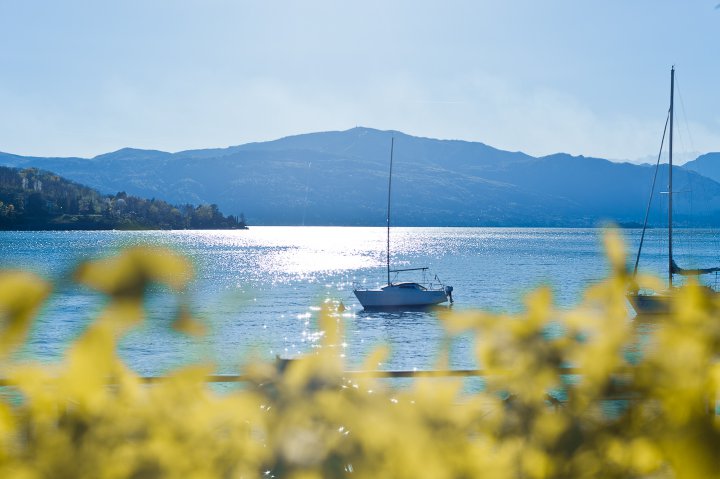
pixel 81 78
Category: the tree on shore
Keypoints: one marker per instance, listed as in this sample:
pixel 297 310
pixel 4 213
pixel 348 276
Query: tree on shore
pixel 36 199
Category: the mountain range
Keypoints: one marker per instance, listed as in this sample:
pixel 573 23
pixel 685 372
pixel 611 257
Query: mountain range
pixel 341 178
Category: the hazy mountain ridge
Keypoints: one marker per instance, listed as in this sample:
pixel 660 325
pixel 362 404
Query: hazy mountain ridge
pixel 707 165
pixel 340 178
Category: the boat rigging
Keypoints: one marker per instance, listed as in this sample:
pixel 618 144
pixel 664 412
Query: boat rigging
pixel 402 294
pixel 658 302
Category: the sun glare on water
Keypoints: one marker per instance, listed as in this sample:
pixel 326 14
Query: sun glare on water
pixel 306 251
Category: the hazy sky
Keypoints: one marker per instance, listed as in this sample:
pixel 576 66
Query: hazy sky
pixel 80 78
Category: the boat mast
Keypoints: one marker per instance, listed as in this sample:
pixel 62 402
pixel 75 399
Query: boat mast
pixel 652 190
pixel 392 144
pixel 670 185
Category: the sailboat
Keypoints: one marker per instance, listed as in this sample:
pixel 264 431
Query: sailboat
pixel 406 294
pixel 659 302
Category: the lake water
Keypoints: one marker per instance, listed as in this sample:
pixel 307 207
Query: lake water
pixel 260 290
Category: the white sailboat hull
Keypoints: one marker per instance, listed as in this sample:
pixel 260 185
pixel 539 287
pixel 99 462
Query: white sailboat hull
pixel 661 302
pixel 406 294
pixel 650 304
pixel 400 295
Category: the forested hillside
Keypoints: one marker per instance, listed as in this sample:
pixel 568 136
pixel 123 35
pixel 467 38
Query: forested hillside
pixel 32 199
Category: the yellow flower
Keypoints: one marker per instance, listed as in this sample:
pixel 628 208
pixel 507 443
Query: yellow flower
pixel 21 295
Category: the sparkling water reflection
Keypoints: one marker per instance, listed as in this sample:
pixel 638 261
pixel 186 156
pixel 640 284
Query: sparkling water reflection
pixel 260 290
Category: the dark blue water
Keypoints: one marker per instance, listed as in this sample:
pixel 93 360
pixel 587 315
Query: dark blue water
pixel 260 290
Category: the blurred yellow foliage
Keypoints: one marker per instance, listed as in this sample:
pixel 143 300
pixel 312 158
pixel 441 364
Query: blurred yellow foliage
pixel 619 412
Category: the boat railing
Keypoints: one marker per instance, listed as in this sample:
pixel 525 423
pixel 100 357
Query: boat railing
pixel 434 283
